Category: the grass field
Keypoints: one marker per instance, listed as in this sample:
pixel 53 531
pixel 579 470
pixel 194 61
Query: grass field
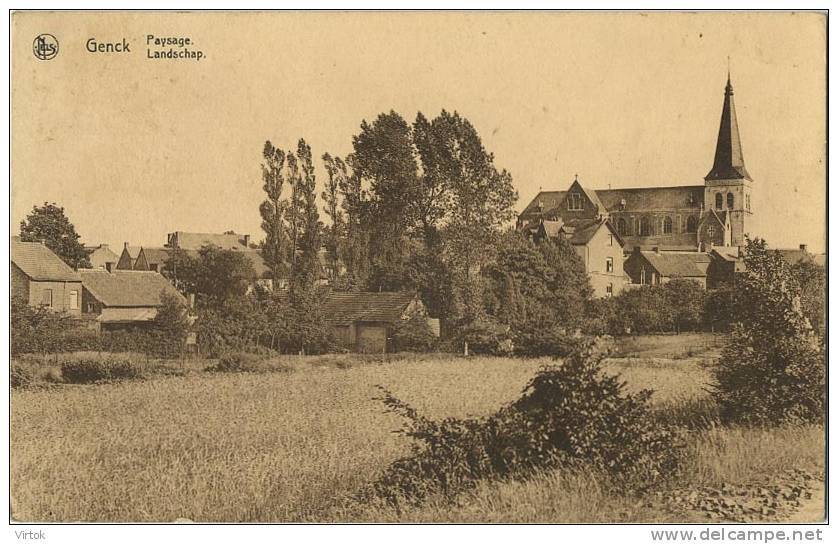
pixel 295 445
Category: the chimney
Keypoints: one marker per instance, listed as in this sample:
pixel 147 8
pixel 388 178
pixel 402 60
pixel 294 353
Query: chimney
pixel 125 246
pixel 246 240
pixel 109 267
pixel 657 250
pixel 803 248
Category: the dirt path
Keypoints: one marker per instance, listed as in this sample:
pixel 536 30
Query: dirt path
pixel 811 510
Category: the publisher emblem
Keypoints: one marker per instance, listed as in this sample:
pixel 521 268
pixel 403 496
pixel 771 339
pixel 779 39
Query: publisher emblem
pixel 45 47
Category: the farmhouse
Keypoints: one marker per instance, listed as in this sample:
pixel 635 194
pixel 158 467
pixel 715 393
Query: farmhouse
pixel 40 276
pixel 363 322
pixel 597 244
pixel 656 267
pixel 101 256
pixel 124 299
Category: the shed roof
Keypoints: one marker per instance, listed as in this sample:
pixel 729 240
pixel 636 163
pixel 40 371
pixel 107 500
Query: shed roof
pixel 39 263
pixel 679 265
pixel 344 308
pixel 127 288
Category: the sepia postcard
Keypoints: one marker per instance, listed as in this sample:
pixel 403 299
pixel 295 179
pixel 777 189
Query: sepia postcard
pixel 437 267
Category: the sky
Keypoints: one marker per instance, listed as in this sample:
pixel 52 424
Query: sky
pixel 135 147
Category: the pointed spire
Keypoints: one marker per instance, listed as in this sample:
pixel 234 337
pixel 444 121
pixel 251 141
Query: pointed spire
pixel 728 162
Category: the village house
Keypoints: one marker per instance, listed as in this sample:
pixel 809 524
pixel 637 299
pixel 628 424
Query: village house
pixel 597 244
pixel 124 299
pixel 364 322
pixel 40 277
pixel 128 257
pixel 794 256
pixel 656 267
pixel 101 256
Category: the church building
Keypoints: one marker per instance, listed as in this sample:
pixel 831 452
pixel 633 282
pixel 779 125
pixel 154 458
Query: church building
pixel 685 218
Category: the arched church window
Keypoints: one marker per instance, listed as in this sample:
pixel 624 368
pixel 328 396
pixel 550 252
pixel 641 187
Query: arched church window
pixel 645 227
pixel 622 227
pixel 730 201
pixel 667 225
pixel 719 201
pixel 692 224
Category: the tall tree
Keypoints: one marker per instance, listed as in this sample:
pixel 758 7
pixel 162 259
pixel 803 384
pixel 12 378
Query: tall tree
pixel 307 268
pixel 294 208
pixel 272 210
pixel 215 275
pixel 385 159
pixel 49 224
pixel 336 170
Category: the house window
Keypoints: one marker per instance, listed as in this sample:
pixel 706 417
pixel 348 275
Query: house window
pixel 667 225
pixel 610 239
pixel 74 300
pixel 692 224
pixel 609 264
pixel 645 227
pixel 719 199
pixel 609 289
pixel 574 201
pixel 643 276
pixel 46 297
pixel 622 227
pixel 730 201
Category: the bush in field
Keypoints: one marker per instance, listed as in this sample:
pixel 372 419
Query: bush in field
pixel 718 308
pixel 20 375
pixel 414 334
pixel 686 300
pixel 569 413
pixel 773 368
pixel 537 340
pixel 238 362
pixel 487 337
pixel 171 325
pixel 93 369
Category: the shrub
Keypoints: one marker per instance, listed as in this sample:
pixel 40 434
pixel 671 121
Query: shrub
pixel 82 370
pixel 538 341
pixel 20 374
pixel 773 367
pixel 486 337
pixel 414 334
pixel 238 362
pixel 568 414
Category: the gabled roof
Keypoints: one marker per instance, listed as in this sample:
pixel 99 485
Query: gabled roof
pixel 551 228
pixel 794 256
pixel 133 251
pixel 156 255
pixel 196 240
pixel 678 265
pixel 583 230
pixel 127 288
pixel 549 199
pixel 343 308
pixel 39 263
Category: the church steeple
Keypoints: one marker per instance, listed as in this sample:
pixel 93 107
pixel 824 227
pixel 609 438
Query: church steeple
pixel 728 163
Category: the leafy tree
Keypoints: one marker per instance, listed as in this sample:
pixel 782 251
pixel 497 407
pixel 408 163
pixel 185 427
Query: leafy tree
pixel 215 275
pixel 49 224
pixel 811 278
pixel 687 301
pixel 272 210
pixel 773 368
pixel 336 169
pixel 306 271
pixel 172 324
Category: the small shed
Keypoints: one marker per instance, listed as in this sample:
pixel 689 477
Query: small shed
pixel 363 322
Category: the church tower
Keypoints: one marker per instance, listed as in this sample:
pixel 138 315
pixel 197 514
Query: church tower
pixel 727 188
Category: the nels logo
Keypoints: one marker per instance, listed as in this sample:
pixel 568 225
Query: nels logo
pixel 45 47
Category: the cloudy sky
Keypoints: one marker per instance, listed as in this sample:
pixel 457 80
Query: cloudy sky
pixel 134 147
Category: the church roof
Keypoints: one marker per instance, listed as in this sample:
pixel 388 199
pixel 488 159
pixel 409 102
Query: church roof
pixel 728 162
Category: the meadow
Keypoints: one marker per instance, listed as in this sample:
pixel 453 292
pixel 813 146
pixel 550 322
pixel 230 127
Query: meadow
pixel 296 445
